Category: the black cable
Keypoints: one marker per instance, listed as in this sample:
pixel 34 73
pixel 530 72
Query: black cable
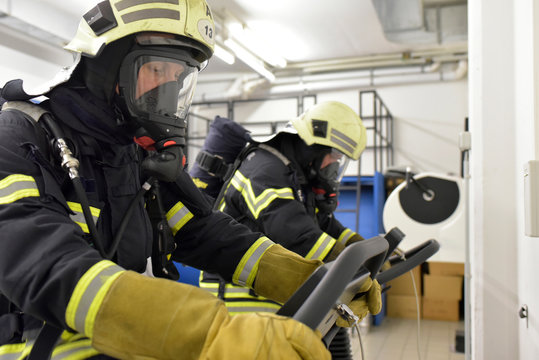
pixel 114 246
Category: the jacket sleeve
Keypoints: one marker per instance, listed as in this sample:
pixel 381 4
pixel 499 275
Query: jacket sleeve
pixel 43 253
pixel 213 241
pixel 268 201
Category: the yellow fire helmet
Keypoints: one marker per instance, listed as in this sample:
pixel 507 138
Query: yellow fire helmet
pixel 333 124
pixel 190 20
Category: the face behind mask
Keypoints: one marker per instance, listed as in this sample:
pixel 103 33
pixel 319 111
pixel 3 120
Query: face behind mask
pixel 327 172
pixel 157 84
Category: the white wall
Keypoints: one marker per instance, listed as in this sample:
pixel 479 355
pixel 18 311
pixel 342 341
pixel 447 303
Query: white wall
pixel 496 176
pixel 427 120
pixel 526 38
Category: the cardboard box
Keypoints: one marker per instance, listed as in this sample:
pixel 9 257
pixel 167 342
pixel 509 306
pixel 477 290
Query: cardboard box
pixel 442 287
pixel 402 306
pixel 440 309
pixel 403 284
pixel 445 268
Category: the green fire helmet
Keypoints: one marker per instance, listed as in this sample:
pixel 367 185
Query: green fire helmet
pixel 190 20
pixel 333 124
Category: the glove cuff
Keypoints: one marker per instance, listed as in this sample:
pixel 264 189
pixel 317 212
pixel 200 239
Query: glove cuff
pixel 281 272
pixel 354 238
pixel 144 317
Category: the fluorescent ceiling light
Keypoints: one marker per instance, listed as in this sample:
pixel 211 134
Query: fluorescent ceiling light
pixel 224 55
pixel 247 38
pixel 249 59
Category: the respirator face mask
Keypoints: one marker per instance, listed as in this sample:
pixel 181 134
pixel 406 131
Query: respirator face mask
pixel 157 82
pixel 328 169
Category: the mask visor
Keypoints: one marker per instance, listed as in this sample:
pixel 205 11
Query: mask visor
pixel 164 86
pixel 333 166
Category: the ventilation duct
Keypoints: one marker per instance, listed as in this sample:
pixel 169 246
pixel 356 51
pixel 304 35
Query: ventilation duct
pixel 423 21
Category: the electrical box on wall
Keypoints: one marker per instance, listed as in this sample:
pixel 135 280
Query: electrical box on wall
pixel 531 198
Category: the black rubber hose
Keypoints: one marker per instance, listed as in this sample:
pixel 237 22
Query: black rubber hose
pixel 85 205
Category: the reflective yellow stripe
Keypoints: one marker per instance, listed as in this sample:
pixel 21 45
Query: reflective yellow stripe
pixel 17 186
pixel 178 216
pixel 240 307
pixel 89 294
pixel 238 299
pixel 247 268
pixel 321 248
pixel 231 290
pixel 79 218
pixel 72 347
pixel 345 235
pixel 199 183
pixel 258 203
pixel 78 350
pixel 14 351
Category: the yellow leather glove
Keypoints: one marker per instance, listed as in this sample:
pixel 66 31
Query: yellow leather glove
pixel 148 318
pixel 354 238
pixel 281 272
pixel 370 302
pixel 339 247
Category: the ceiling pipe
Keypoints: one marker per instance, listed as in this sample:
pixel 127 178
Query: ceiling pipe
pixel 346 80
pixel 399 56
pixel 459 73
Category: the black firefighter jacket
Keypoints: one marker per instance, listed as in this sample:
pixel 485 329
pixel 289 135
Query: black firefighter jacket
pixel 265 194
pixel 45 247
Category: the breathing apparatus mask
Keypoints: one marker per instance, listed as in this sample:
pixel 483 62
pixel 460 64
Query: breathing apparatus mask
pixel 326 174
pixel 156 84
pixel 157 81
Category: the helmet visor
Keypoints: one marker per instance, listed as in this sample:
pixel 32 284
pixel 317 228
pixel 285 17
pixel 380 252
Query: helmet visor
pixel 164 86
pixel 333 166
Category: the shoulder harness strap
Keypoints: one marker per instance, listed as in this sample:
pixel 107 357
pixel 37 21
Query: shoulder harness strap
pixel 275 152
pixel 32 113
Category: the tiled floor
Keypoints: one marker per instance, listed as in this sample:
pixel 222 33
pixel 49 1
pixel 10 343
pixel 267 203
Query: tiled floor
pixel 396 339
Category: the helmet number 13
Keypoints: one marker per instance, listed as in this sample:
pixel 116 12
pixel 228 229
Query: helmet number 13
pixel 209 31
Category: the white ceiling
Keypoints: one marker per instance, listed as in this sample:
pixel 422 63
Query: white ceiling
pixel 302 31
pixel 308 31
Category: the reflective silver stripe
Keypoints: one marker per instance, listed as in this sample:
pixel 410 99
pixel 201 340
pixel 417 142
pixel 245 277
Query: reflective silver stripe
pixel 321 248
pixel 11 355
pixel 19 350
pixel 230 289
pixel 343 137
pixel 124 4
pixel 243 309
pixel 79 218
pixel 339 142
pixel 79 349
pixel 346 234
pixel 257 204
pixel 17 186
pixel 151 14
pixel 237 290
pixel 248 266
pixel 178 216
pixel 90 294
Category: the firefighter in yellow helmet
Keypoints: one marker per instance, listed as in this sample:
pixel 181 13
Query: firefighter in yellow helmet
pixel 78 233
pixel 287 188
